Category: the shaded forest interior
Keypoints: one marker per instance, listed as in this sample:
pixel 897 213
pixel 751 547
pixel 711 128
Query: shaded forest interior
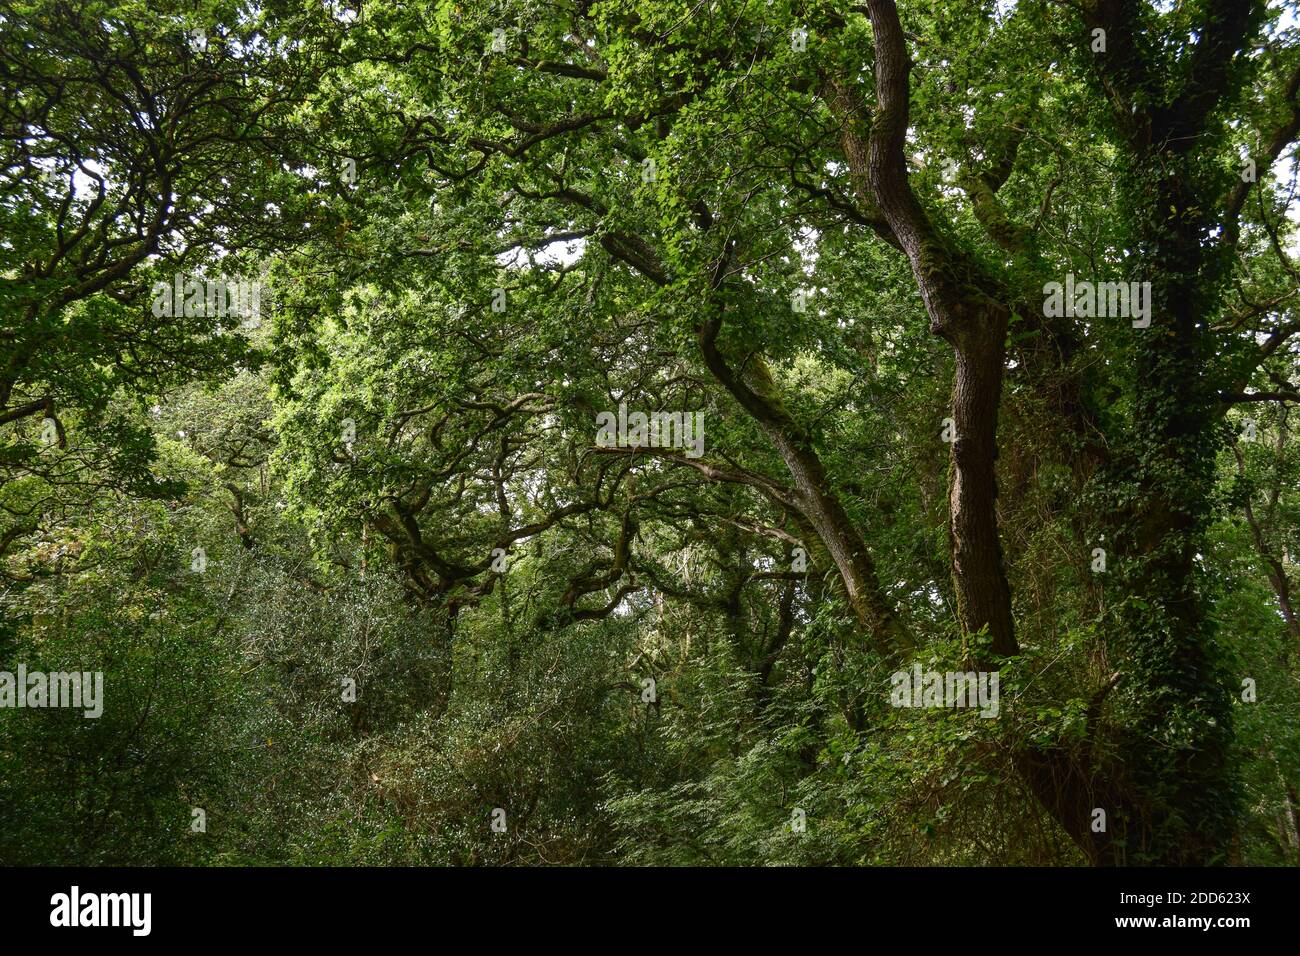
pixel 731 432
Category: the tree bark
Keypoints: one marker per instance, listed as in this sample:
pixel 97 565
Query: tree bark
pixel 964 314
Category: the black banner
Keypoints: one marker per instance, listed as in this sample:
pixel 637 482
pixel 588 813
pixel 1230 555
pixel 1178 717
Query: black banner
pixel 365 906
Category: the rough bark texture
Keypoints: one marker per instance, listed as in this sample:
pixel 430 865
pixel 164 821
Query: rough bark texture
pixel 974 323
pixel 983 594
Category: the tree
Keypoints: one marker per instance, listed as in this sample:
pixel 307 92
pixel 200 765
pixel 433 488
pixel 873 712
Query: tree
pixel 762 350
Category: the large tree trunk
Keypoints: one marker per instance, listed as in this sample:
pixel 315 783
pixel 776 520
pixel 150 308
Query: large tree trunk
pixel 965 315
pixel 1177 723
pixel 983 594
pixel 1166 798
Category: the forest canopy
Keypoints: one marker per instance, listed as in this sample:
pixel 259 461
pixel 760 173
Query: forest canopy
pixel 661 432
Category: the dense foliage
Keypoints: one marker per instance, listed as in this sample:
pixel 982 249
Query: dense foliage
pixel 369 576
